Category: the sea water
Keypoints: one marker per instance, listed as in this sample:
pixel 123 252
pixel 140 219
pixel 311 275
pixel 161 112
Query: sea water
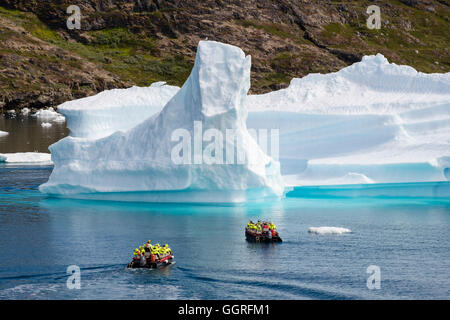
pixel 407 238
pixel 405 234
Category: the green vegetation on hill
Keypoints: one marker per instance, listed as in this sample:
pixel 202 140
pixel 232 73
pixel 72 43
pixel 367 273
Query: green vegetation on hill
pixel 415 37
pixel 132 57
pixel 139 42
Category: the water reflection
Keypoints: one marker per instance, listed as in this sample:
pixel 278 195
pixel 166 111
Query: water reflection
pixel 27 135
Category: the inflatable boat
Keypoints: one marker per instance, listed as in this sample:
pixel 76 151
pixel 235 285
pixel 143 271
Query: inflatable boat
pixel 152 262
pixel 268 236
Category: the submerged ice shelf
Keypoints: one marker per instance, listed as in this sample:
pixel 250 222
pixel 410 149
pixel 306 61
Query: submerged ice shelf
pixel 372 122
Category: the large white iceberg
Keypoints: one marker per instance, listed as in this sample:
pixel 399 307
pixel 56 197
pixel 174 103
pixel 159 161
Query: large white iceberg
pixel 372 122
pixel 143 163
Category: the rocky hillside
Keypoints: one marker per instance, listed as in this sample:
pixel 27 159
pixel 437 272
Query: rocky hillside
pixel 122 43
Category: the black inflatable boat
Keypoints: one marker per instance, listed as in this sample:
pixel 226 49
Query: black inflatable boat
pixel 149 264
pixel 267 237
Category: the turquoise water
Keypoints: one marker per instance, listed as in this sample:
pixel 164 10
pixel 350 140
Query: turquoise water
pixel 407 237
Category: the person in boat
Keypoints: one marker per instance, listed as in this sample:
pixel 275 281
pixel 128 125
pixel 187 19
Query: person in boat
pixel 142 259
pixel 148 246
pixel 167 250
pixel 273 228
pixel 251 226
pixel 136 254
pixel 147 249
pixel 153 253
pixel 158 251
pixel 164 250
pixel 139 257
pixel 258 227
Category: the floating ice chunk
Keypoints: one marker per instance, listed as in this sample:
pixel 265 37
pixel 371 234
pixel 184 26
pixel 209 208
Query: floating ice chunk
pixel 25 111
pixel 3 133
pixel 46 113
pixel 117 109
pixel 11 113
pixel 26 157
pixel 49 115
pixel 59 119
pixel 138 165
pixel 328 230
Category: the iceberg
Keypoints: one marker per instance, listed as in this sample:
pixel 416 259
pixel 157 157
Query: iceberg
pixel 155 160
pixel 373 122
pixel 328 230
pixel 101 115
pixel 3 133
pixel 26 158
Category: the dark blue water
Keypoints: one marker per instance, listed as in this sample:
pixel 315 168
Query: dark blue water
pixel 408 238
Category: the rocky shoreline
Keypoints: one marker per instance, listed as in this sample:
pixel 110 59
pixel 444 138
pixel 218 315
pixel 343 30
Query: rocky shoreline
pixel 125 43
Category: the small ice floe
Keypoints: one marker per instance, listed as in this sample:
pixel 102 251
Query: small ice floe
pixel 46 113
pixel 3 133
pixel 60 118
pixel 46 124
pixel 26 157
pixel 25 111
pixel 328 230
pixel 50 115
pixel 11 113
